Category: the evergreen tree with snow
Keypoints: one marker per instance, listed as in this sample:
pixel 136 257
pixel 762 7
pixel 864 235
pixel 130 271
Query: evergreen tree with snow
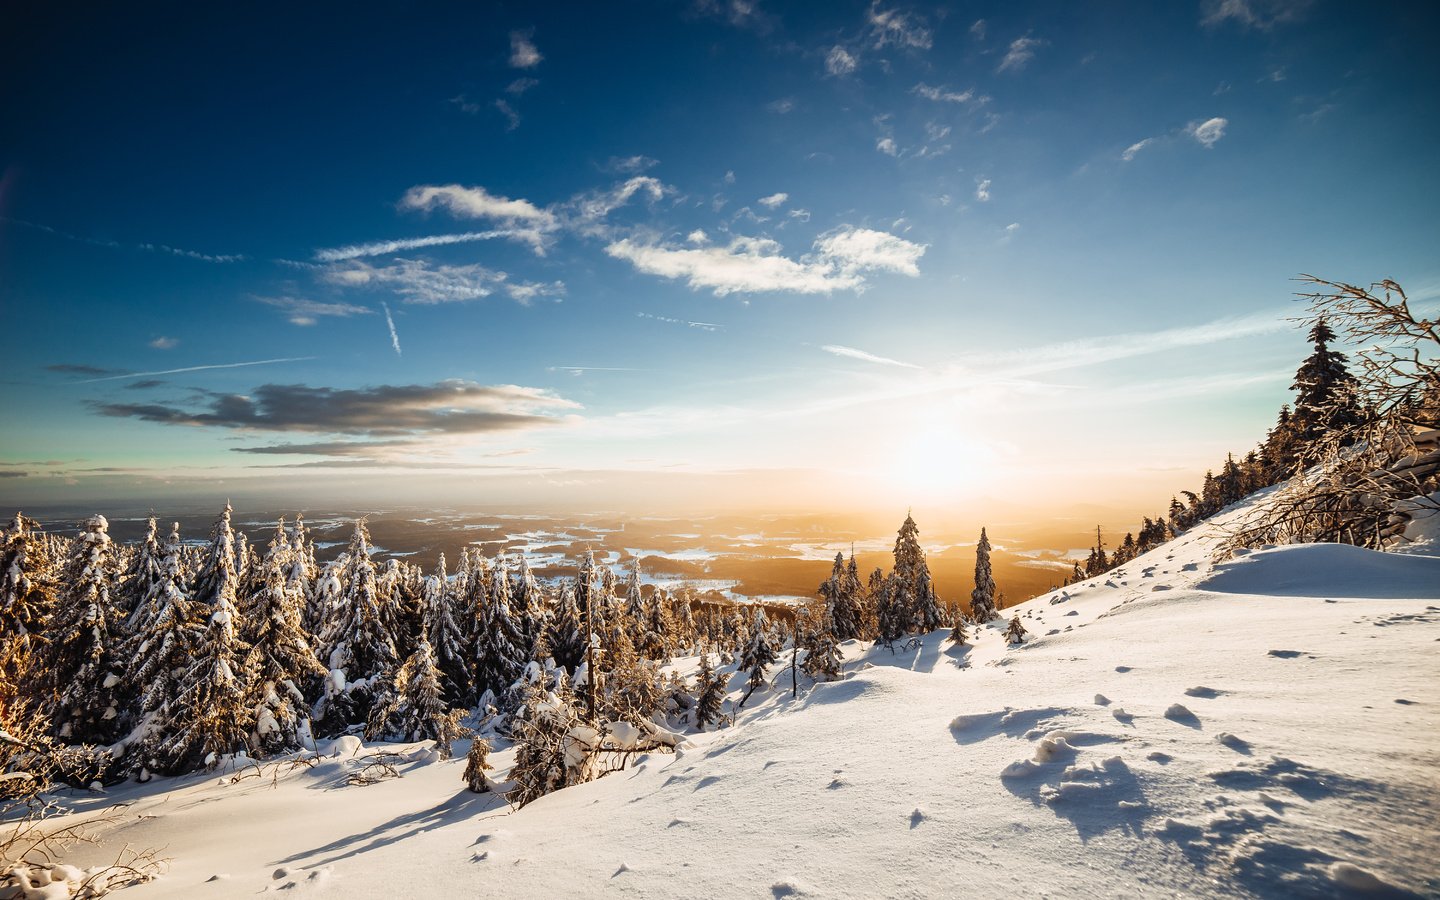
pixel 1324 390
pixel 85 665
pixel 527 605
pixel 446 638
pixel 711 703
pixel 554 749
pixel 476 765
pixel 361 651
pixel 913 589
pixel 1016 632
pixel 892 616
pixel 982 599
pixel 209 716
pixel 499 657
pixel 161 646
pixel 26 602
pixel 417 710
pixel 564 634
pixel 958 634
pixel 759 654
pixel 817 639
pixel 143 573
pixel 281 660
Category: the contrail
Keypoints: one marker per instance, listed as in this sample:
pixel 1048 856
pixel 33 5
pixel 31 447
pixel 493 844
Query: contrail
pixel 258 362
pixel 381 248
pixel 394 338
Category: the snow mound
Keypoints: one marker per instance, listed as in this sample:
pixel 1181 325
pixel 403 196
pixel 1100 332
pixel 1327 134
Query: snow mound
pixel 1328 570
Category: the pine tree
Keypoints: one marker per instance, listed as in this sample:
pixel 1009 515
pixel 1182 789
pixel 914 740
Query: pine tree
pixel 982 599
pixel 913 589
pixel 892 617
pixel 446 637
pixel 417 710
pixel 499 658
pixel 142 574
pixel 85 634
pixel 281 659
pixel 209 716
pixel 841 592
pixel 759 654
pixel 26 603
pixel 553 748
pixel 1324 390
pixel 958 634
pixel 564 635
pixel 161 647
pixel 1015 633
pixel 817 638
pixel 476 765
pixel 527 605
pixel 711 704
pixel 362 656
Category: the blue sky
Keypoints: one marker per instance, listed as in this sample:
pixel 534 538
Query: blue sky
pixel 715 253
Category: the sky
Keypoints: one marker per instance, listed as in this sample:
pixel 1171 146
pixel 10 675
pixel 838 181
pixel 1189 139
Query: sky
pixel 688 255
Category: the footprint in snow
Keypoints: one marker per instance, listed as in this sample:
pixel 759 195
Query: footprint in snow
pixel 1157 756
pixel 1124 669
pixel 1102 700
pixel 1181 715
pixel 1403 702
pixel 621 871
pixel 1160 587
pixel 1121 716
pixel 707 781
pixel 916 818
pixel 835 784
pixel 1286 654
pixel 1238 744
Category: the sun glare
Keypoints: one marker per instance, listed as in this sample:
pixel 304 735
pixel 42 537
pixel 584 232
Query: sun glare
pixel 939 458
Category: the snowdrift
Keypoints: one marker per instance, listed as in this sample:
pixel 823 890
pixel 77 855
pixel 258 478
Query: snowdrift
pixel 1260 727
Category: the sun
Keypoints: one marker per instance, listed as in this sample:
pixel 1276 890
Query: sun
pixel 942 459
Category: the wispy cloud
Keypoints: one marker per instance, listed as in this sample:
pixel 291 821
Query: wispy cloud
pixel 839 62
pixel 385 248
pixel 782 106
pixel 524 220
pixel 236 365
pixel 446 407
pixel 301 311
pixel 147 246
pixel 1260 14
pixel 703 326
pixel 1209 132
pixel 893 27
pixel 630 165
pixel 419 281
pixel 521 85
pixel 1021 51
pixel 512 118
pixel 523 54
pixel 982 190
pixel 863 356
pixel 842 260
pixel 193 254
pixel 887 146
pixel 943 94
pixel 165 343
pixel 390 323
pixel 774 201
pixel 1135 148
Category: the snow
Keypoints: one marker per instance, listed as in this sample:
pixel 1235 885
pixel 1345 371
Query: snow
pixel 1265 726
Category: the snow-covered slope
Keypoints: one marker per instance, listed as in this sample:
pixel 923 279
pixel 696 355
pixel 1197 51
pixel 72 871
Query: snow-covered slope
pixel 1263 726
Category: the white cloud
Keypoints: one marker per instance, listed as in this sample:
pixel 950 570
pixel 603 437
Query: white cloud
pixel 1012 228
pixel 1261 14
pixel 977 30
pixel 596 205
pixel 774 201
pixel 840 261
pixel 521 85
pixel 418 281
pixel 1135 148
pixel 887 146
pixel 512 118
pixel 300 311
pixel 698 237
pixel 165 343
pixel 892 27
pixel 1208 132
pixel 781 106
pixel 944 95
pixel 528 222
pixel 384 248
pixel 852 353
pixel 1021 51
pixel 839 61
pixel 630 165
pixel 390 323
pixel 523 54
pixel 982 189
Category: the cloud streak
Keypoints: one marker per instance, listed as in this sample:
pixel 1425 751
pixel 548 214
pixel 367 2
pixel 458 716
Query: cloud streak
pixel 864 356
pixel 390 323
pixel 235 365
pixel 447 407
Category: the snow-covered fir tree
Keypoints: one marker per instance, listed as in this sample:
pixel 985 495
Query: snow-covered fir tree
pixel 912 588
pixel 282 662
pixel 554 749
pixel 143 572
pixel 760 653
pixel 499 657
pixel 417 710
pixel 982 599
pixel 841 592
pixel 527 605
pixel 816 636
pixel 565 634
pixel 161 646
pixel 85 665
pixel 710 705
pixel 446 638
pixel 209 716
pixel 26 602
pixel 1324 389
pixel 1016 632
pixel 361 651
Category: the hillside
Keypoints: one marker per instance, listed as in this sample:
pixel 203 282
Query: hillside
pixel 1262 726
